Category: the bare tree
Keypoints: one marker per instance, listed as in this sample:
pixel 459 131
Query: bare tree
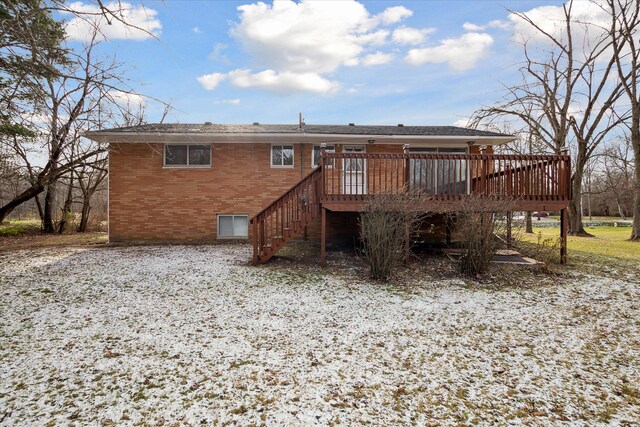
pixel 90 178
pixel 567 95
pixel 70 109
pixel 625 22
pixel 614 182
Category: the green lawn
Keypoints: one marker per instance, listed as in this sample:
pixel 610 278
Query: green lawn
pixel 609 242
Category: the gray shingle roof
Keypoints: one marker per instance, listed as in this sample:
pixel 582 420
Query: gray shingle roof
pixel 199 128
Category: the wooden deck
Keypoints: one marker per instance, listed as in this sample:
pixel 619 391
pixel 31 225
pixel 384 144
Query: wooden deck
pixel 348 181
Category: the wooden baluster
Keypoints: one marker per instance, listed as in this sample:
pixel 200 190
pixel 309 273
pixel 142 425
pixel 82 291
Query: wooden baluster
pixel 407 164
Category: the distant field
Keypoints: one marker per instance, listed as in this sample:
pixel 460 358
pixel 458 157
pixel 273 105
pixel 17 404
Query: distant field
pixel 607 241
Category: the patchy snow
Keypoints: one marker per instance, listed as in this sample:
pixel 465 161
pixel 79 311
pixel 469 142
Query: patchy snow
pixel 191 335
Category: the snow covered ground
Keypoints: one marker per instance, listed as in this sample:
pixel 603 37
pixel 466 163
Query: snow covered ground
pixel 189 335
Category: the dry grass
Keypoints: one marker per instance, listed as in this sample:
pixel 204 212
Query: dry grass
pixel 34 241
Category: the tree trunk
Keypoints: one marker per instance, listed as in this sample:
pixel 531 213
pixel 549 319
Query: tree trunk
pixel 528 224
pixel 86 208
pixel 576 228
pixel 49 200
pixel 66 209
pixel 27 194
pixel 620 209
pixel 39 205
pixel 635 142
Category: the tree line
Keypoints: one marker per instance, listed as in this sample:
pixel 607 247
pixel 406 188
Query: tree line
pixel 578 90
pixel 51 93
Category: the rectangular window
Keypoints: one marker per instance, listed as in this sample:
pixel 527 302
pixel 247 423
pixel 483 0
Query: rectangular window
pixel 183 155
pixel 282 156
pixel 439 176
pixel 315 159
pixel 233 226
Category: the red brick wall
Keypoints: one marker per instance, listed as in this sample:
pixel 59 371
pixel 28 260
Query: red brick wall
pixel 149 202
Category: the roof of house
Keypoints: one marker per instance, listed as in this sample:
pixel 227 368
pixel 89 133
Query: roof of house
pixel 230 129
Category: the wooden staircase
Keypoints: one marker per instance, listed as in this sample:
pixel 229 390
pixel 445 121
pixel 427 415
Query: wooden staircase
pixel 287 216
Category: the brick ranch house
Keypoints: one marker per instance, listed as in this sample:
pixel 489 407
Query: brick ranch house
pixel 274 183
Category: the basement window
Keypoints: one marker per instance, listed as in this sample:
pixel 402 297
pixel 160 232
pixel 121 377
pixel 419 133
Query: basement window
pixel 187 155
pixel 233 226
pixel 282 156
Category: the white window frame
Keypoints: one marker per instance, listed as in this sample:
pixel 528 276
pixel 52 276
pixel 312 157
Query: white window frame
pixel 233 216
pixel 187 166
pixel 293 148
pixel 328 150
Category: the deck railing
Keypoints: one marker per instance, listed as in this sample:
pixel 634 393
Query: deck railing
pixel 357 176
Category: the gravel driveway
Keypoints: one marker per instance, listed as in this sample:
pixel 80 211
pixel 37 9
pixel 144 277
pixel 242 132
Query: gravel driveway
pixel 191 335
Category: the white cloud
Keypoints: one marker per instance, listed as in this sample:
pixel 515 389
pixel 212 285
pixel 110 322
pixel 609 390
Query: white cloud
pixel 217 53
pixel 393 15
pixel 377 58
pixel 463 122
pixel 297 44
pixel 309 36
pixel 196 30
pixel 551 20
pixel 460 54
pixel 283 82
pixel 411 36
pixel 496 23
pixel 469 26
pixel 234 101
pixel 142 22
pixel 211 81
pixel 127 98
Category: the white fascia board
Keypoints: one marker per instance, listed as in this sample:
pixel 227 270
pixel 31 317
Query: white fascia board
pixel 256 138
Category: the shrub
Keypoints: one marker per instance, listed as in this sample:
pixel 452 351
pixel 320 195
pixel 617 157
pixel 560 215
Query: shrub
pixel 477 229
pixel 385 226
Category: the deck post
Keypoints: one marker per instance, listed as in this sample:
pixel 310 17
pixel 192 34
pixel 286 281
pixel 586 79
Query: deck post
pixel 323 165
pixel 407 185
pixel 509 225
pixel 323 237
pixel 563 235
pixel 255 241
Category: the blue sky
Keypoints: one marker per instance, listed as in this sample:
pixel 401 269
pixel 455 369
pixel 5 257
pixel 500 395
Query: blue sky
pixel 420 63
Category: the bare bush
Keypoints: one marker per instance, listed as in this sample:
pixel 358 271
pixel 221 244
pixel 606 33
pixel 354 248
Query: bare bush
pixel 478 225
pixel 386 225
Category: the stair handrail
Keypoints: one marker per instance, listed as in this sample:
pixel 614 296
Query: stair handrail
pixel 300 183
